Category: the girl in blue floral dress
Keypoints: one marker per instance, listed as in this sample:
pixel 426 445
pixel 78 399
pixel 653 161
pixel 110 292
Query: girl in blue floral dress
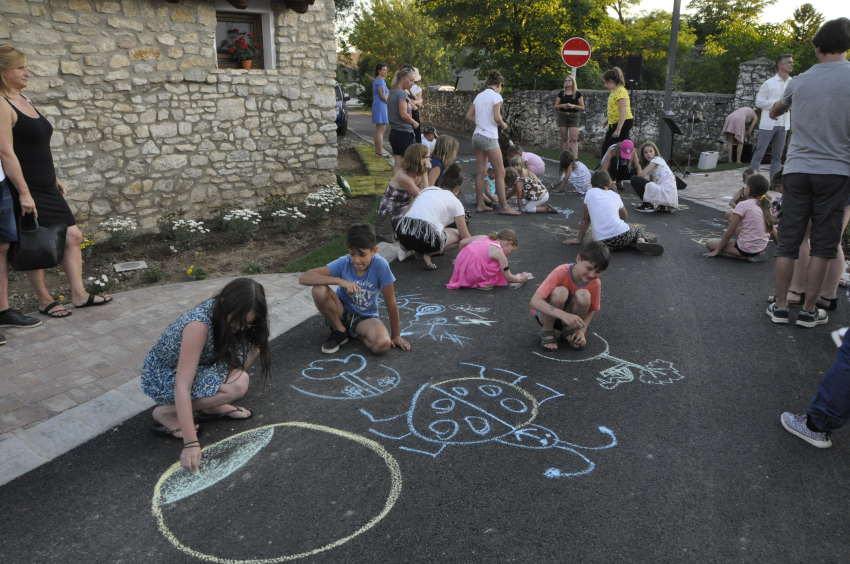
pixel 201 360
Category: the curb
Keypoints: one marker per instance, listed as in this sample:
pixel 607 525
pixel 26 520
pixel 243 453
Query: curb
pixel 30 448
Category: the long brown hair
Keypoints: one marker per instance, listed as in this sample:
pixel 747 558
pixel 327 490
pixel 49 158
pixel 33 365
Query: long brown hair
pixel 232 305
pixel 412 161
pixel 445 150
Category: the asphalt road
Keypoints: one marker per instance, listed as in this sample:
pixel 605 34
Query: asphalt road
pixel 660 442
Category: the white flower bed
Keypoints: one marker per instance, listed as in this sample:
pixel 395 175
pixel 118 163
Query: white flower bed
pixel 287 219
pixel 120 230
pixel 322 202
pixel 243 222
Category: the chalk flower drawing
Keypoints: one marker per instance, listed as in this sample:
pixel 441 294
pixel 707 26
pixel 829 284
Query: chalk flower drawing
pixel 430 319
pixel 655 372
pixel 481 409
pixel 344 379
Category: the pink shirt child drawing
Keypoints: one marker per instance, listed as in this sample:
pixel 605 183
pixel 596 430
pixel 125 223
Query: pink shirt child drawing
pixel 752 232
pixel 475 269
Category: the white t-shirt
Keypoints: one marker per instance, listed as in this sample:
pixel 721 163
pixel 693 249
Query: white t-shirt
pixel 604 208
pixel 661 174
pixel 436 206
pixel 415 90
pixel 485 123
pixel 429 144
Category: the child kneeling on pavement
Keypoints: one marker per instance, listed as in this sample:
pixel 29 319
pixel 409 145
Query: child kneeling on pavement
pixel 352 311
pixel 566 301
pixel 605 210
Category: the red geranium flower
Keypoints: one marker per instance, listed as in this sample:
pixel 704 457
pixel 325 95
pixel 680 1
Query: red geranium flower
pixel 251 35
pixel 232 50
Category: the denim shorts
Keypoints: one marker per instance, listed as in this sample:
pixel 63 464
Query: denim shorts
pixel 482 143
pixel 8 228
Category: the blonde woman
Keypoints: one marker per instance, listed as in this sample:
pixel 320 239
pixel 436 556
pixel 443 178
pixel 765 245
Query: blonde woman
pixel 568 104
pixel 25 152
pixel 443 155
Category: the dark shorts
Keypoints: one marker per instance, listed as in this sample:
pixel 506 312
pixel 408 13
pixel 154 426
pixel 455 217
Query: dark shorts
pixel 745 253
pixel 8 228
pixel 400 141
pixel 351 320
pixel 566 119
pixel 557 326
pixel 419 236
pixel 820 198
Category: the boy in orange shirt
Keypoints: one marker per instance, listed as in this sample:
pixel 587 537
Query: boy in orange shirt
pixel 568 298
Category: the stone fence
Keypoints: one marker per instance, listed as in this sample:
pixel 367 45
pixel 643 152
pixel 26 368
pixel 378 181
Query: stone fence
pixel 539 125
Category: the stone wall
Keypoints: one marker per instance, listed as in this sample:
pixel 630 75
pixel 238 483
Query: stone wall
pixel 539 126
pixel 751 75
pixel 144 122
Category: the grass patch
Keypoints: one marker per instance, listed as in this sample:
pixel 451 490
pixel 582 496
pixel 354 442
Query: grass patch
pixel 723 166
pixel 380 174
pixel 329 251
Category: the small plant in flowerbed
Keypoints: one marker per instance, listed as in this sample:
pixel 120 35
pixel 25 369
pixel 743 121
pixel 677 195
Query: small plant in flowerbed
pixel 86 246
pixel 252 268
pixel 100 285
pixel 272 203
pixel 242 222
pixel 120 231
pixel 153 274
pixel 325 200
pixel 188 233
pixel 287 219
pixel 197 273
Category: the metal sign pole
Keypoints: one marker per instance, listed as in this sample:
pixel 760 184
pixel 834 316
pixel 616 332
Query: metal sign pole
pixel 665 140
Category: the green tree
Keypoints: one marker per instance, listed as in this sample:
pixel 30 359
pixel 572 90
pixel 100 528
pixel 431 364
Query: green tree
pixel 713 16
pixel 805 23
pixel 397 32
pixel 520 38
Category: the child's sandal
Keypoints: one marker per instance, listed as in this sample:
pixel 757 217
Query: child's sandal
pixel 548 337
pixel 801 295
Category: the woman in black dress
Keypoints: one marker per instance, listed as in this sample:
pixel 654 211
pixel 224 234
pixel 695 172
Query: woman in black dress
pixel 25 152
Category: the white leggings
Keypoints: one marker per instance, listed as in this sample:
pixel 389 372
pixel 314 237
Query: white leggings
pixel 531 206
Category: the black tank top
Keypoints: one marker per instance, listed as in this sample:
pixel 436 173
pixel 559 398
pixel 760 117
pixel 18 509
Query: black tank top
pixel 31 143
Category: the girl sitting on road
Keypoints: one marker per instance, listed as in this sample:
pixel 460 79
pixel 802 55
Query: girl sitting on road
pixel 200 363
pixel 654 182
pixel 575 176
pixel 443 154
pixel 483 262
pixel 405 183
pixel 531 191
pixel 604 209
pixel 753 223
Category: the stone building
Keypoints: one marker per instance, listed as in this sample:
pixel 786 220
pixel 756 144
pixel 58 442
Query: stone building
pixel 151 115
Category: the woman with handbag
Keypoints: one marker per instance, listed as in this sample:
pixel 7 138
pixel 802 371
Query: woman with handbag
pixel 25 151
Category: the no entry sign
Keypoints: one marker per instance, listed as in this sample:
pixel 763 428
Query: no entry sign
pixel 576 52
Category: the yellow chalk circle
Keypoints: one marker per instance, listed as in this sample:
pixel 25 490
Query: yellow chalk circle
pixel 162 495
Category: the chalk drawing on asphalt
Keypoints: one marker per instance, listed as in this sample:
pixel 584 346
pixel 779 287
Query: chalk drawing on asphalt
pixel 562 215
pixel 700 235
pixel 346 379
pixel 719 223
pixel 655 372
pixel 422 318
pixel 482 409
pixel 222 459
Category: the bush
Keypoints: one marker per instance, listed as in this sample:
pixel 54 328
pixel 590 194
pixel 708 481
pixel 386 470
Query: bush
pixel 243 223
pixel 86 246
pixel 188 233
pixel 219 211
pixel 273 203
pixel 120 231
pixel 197 273
pixel 166 225
pixel 100 285
pixel 287 219
pixel 253 268
pixel 154 274
pixel 325 200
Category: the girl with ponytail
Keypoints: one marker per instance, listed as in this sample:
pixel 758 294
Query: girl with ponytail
pixel 753 223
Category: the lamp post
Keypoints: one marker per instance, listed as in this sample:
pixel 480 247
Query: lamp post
pixel 665 140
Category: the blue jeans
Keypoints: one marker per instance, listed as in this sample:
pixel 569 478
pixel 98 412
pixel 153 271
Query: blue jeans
pixel 830 408
pixel 8 227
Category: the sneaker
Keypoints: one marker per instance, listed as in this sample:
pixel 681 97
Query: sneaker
pixel 796 425
pixel 14 318
pixel 661 209
pixel 812 318
pixel 778 314
pixel 336 340
pixel 645 208
pixel 761 257
pixel 652 248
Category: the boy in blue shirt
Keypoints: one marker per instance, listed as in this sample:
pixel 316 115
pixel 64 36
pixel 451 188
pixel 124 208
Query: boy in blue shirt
pixel 353 309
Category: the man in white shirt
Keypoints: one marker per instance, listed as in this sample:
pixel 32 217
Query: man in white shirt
pixel 773 131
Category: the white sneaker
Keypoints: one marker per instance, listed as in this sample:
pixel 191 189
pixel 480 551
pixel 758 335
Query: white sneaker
pixel 796 425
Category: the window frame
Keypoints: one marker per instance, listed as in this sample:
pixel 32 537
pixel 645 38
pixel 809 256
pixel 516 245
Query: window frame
pixel 256 19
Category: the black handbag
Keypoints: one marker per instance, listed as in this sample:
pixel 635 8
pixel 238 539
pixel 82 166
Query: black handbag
pixel 39 247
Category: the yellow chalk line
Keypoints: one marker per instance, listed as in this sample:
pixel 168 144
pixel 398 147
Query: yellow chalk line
pixel 395 491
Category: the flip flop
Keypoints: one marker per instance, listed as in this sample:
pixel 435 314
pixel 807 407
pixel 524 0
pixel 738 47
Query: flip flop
pixel 90 302
pixel 512 212
pixel 163 431
pixel 50 311
pixel 226 415
pixel 550 209
pixel 484 210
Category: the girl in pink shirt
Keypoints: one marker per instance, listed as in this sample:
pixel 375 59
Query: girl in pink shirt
pixel 753 223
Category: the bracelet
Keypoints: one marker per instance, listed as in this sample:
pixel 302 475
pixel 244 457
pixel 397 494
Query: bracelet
pixel 507 268
pixel 190 442
pixel 191 445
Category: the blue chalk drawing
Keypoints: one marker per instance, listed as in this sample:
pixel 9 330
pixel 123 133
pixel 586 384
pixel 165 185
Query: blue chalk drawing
pixel 219 461
pixel 721 223
pixel 563 214
pixel 424 318
pixel 341 379
pixel 481 409
pixel 655 372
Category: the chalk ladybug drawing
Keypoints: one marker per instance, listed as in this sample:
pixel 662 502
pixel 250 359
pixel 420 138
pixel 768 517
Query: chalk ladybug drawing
pixel 480 409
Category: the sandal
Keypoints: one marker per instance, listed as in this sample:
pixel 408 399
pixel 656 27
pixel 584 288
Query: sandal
pixel 90 302
pixel 226 415
pixel 801 295
pixel 548 337
pixel 550 209
pixel 512 212
pixel 833 303
pixel 51 311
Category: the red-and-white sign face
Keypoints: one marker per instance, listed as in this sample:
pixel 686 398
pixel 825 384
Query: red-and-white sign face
pixel 576 52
